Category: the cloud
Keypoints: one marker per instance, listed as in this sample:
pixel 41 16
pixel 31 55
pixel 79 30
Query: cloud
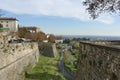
pixel 62 8
pixel 106 18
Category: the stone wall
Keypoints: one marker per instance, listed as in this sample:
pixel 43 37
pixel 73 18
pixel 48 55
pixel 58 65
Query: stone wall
pixel 15 59
pixel 54 50
pixel 98 61
pixel 48 49
pixel 1 39
pixel 103 42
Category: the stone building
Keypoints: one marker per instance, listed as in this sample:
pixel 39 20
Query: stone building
pixel 10 23
pixel 59 41
pixel 31 29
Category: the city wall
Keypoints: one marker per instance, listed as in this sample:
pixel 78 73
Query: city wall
pixel 48 49
pixel 99 60
pixel 16 59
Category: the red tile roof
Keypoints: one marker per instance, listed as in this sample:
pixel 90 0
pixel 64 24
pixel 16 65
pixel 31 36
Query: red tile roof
pixel 29 27
pixel 5 18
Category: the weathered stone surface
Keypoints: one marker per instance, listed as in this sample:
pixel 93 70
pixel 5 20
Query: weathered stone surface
pixel 48 49
pixel 15 59
pixel 98 61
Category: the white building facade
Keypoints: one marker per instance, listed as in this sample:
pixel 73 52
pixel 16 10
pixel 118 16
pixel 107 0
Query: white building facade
pixel 59 41
pixel 10 23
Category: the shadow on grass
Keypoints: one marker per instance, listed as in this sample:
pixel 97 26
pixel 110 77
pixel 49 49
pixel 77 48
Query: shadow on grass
pixel 43 76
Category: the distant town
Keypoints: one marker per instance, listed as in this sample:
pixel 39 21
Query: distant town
pixel 10 31
pixel 27 47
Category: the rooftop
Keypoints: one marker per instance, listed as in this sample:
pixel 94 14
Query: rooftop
pixel 30 27
pixel 6 18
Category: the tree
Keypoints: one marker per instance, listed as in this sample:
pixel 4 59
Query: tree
pixel 67 41
pixel 32 36
pixel 67 57
pixel 41 36
pixel 1 26
pixel 75 45
pixel 51 38
pixel 21 32
pixel 96 7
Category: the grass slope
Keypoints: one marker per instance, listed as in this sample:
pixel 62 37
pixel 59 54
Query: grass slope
pixel 46 69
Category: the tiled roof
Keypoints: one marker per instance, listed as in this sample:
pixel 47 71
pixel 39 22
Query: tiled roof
pixel 30 27
pixel 5 18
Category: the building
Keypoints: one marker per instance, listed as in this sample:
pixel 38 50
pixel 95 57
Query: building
pixel 29 32
pixel 31 29
pixel 9 23
pixel 59 41
pixel 48 35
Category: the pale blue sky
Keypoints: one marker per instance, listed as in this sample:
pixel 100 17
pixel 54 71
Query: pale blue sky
pixel 61 17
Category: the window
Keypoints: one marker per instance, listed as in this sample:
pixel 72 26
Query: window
pixel 6 21
pixel 1 21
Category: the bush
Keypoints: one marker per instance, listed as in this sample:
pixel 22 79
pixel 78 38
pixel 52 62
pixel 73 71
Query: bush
pixel 1 26
pixel 67 57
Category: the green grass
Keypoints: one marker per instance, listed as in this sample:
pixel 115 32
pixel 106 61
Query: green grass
pixel 46 69
pixel 71 67
pixel 69 61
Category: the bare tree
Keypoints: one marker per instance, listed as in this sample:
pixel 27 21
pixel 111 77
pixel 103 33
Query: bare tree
pixel 96 7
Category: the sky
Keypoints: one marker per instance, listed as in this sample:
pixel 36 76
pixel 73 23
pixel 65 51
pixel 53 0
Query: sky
pixel 60 17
